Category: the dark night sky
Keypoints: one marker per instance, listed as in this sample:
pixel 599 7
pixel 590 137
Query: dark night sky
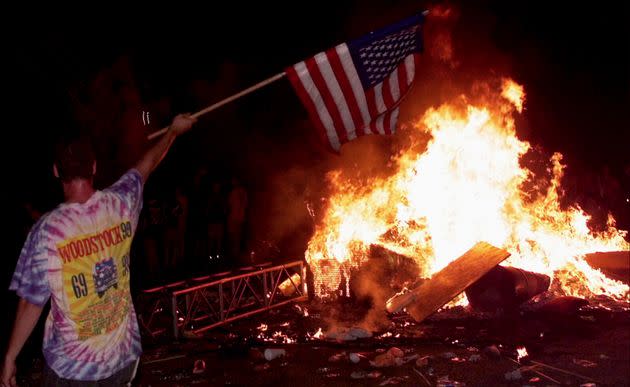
pixel 573 61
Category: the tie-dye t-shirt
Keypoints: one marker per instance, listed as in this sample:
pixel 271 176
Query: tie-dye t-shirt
pixel 78 256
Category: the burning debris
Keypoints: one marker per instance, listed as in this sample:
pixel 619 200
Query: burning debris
pixel 279 336
pixel 302 310
pixel 505 288
pixel 449 282
pixel 521 352
pixel 289 286
pixel 317 335
pixel 470 184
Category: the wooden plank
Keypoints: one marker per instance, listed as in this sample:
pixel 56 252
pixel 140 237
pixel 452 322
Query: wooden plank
pixel 619 260
pixel 448 282
pixel 614 264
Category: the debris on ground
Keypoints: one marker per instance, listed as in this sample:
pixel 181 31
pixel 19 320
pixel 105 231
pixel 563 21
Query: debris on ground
pixel 338 357
pixel 262 367
pixel 423 361
pixel 584 363
pixel 492 352
pixel 347 334
pixel 273 353
pixel 393 380
pixel 445 381
pixel 505 288
pixel 513 375
pixel 354 357
pixel 393 357
pixel 199 367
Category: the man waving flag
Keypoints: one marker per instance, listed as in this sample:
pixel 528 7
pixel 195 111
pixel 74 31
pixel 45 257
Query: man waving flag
pixel 355 88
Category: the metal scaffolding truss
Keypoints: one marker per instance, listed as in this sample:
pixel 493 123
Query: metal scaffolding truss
pixel 207 302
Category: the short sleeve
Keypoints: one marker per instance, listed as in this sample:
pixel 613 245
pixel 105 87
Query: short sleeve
pixel 30 279
pixel 129 189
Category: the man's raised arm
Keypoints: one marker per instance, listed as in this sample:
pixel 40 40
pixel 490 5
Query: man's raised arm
pixel 151 159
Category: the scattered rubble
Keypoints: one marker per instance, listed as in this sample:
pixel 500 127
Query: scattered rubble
pixel 199 367
pixel 393 380
pixel 565 305
pixel 424 361
pixel 393 357
pixel 262 367
pixel 584 363
pixel 505 289
pixel 337 357
pixel 358 375
pixel 347 334
pixel 513 375
pixel 354 357
pixel 445 381
pixel 273 353
pixel 492 352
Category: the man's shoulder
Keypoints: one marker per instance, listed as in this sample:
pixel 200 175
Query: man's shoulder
pixel 43 227
pixel 132 176
pixel 47 218
pixel 129 183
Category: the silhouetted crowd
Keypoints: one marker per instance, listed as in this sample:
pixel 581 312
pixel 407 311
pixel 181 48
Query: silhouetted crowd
pixel 194 231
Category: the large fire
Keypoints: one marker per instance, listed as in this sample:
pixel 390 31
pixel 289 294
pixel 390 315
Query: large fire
pixel 467 186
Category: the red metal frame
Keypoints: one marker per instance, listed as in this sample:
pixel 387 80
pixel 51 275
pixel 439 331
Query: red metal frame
pixel 204 306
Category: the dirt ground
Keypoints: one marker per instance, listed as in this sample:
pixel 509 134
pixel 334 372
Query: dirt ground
pixel 472 350
pixel 461 346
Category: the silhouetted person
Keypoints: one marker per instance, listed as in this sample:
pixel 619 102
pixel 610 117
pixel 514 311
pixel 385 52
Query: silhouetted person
pixel 197 222
pixel 154 234
pixel 237 207
pixel 216 211
pixel 176 230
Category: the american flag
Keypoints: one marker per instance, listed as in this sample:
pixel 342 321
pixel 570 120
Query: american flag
pixel 355 88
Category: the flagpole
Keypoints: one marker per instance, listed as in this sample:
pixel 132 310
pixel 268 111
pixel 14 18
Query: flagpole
pixel 225 101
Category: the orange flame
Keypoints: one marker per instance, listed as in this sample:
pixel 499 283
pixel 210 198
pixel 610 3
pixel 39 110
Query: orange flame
pixel 468 186
pixel 317 335
pixel 514 93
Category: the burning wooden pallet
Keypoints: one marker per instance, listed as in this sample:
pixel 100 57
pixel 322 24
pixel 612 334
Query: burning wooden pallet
pixel 448 282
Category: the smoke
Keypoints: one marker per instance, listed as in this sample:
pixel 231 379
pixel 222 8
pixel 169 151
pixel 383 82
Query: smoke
pixel 370 284
pixel 439 30
pixel 291 202
pixel 289 222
